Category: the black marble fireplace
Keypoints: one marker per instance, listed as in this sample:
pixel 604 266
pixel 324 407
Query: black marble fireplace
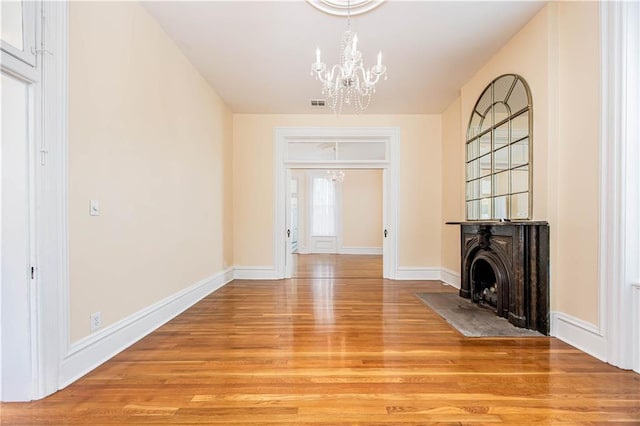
pixel 505 267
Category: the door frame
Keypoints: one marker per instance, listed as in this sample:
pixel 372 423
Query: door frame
pixel 49 299
pixel 390 187
pixel 617 330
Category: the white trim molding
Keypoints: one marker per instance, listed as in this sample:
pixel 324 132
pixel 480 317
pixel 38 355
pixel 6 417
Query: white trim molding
pixel 417 273
pixel 53 216
pixel 361 250
pixel 95 349
pixel 619 186
pixel 450 277
pixel 412 273
pixel 580 334
pixel 255 273
pixel 635 296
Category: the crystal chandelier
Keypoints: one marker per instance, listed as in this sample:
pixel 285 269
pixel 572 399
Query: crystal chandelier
pixel 348 82
pixel 336 176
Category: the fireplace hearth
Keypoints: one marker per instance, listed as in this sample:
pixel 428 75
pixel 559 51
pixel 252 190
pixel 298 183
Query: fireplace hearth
pixel 505 268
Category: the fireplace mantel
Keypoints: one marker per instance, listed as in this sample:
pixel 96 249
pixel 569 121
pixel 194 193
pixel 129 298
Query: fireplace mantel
pixel 518 254
pixel 501 222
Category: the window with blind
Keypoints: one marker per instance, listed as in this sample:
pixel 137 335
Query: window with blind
pixel 323 214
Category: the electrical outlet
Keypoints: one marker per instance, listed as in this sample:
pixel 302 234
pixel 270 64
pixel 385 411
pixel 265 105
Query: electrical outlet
pixel 96 321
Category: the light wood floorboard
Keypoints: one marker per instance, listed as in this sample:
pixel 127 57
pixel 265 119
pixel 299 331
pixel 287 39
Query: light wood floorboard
pixel 346 347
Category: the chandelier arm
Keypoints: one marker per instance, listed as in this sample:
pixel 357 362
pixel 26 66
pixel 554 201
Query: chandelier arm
pixel 327 77
pixel 336 72
pixel 374 81
pixel 366 76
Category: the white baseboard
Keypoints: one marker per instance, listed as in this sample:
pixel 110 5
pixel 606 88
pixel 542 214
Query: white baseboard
pixel 635 327
pixel 447 276
pixel 450 277
pixel 360 250
pixel 580 334
pixel 255 273
pixel 417 273
pixel 95 349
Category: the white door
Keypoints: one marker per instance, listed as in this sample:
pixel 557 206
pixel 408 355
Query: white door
pixel 386 228
pixel 15 278
pixel 294 214
pixel 18 72
pixel 288 246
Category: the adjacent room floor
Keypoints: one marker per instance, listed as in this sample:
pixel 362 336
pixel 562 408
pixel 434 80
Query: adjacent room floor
pixel 335 344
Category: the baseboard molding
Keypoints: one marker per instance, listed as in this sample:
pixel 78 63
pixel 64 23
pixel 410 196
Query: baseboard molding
pixel 635 327
pixel 417 273
pixel 255 273
pixel 346 250
pixel 90 352
pixel 579 334
pixel 361 250
pixel 450 277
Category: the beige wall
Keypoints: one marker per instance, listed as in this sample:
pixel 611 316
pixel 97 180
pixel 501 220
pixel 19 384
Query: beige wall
pixel 577 151
pixel 420 182
pixel 557 53
pixel 526 54
pixel 151 141
pixel 362 209
pixel 452 184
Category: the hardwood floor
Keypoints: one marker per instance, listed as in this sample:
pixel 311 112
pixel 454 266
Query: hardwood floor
pixel 336 266
pixel 344 348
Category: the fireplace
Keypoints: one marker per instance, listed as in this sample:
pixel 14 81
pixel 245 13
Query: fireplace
pixel 484 285
pixel 505 268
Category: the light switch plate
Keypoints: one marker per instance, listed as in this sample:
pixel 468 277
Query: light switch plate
pixel 94 208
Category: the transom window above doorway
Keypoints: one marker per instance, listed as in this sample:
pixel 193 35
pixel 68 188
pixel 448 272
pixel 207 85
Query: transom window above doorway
pixel 349 150
pixel 498 152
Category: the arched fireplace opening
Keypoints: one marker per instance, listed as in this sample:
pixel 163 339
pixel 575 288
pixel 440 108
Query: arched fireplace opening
pixel 485 284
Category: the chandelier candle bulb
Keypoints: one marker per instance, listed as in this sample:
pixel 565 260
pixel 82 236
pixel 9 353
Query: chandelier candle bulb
pixel 318 54
pixel 379 59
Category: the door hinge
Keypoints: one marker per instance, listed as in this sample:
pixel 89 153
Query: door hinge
pixel 33 272
pixel 385 233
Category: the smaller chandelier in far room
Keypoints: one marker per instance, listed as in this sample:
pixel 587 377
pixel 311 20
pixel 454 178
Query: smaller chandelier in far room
pixel 336 176
pixel 348 82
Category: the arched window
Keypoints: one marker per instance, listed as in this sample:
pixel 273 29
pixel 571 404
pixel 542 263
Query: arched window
pixel 498 167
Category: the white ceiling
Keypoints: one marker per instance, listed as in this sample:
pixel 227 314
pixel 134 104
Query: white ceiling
pixel 257 55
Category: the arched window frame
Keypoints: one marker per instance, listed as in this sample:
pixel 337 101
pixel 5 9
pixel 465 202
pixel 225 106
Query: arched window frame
pixel 498 165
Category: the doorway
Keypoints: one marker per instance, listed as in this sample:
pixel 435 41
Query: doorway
pixel 336 211
pixel 335 149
